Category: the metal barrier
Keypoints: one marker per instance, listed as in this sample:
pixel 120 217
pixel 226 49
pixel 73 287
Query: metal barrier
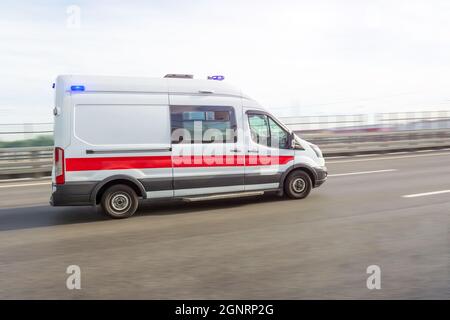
pixel 25 162
pixel 395 121
pixel 37 161
pixel 379 142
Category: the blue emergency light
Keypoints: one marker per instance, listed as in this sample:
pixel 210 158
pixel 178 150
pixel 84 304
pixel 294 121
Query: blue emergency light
pixel 77 88
pixel 219 78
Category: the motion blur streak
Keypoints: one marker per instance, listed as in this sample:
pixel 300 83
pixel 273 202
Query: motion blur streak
pixel 25 184
pixel 426 194
pixel 361 172
pixel 259 247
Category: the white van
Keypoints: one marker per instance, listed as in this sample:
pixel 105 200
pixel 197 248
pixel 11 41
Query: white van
pixel 120 139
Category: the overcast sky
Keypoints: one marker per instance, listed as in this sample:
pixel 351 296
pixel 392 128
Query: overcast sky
pixel 299 57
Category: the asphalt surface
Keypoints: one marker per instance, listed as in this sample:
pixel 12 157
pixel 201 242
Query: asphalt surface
pixel 261 247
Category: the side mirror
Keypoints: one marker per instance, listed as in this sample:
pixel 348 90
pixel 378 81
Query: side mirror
pixel 293 143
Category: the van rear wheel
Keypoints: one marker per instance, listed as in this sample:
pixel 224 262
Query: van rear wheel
pixel 119 201
pixel 298 185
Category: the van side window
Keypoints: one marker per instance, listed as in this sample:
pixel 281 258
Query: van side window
pixel 265 131
pixel 203 124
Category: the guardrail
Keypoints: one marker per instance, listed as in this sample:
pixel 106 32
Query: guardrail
pixel 37 161
pixel 411 120
pixel 25 162
pixel 398 121
pixel 379 142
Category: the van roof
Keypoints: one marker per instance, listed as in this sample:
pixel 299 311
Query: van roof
pixel 144 84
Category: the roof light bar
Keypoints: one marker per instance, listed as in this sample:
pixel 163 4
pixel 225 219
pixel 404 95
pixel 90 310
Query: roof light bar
pixel 179 76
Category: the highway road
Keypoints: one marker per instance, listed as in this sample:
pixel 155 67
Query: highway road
pixel 392 211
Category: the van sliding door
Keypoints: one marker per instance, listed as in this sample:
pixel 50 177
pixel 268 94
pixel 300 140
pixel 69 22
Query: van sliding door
pixel 207 152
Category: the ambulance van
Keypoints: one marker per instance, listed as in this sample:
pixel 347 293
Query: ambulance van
pixel 120 140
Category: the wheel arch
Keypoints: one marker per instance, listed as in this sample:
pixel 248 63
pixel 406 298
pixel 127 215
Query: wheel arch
pixel 135 184
pixel 299 167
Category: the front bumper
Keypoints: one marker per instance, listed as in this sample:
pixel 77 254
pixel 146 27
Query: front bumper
pixel 321 174
pixel 72 194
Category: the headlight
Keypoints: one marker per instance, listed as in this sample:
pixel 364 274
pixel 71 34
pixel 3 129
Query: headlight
pixel 316 150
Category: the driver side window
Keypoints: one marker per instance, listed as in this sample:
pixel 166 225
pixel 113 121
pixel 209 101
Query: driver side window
pixel 265 131
pixel 259 128
pixel 278 136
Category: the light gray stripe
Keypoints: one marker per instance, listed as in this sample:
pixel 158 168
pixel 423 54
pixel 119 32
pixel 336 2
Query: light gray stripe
pixel 265 186
pixel 202 191
pixel 128 151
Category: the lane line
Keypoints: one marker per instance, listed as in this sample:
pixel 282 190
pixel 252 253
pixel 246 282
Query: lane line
pixel 25 179
pixel 425 194
pixel 360 172
pixel 390 158
pixel 26 185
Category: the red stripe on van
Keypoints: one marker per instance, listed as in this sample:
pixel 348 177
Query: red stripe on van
pixel 207 161
pixel 116 163
pixel 229 161
pixel 256 160
pixel 148 162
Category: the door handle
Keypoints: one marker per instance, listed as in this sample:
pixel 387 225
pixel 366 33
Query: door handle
pixel 253 151
pixel 235 150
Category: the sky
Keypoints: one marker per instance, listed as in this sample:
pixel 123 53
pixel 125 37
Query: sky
pixel 294 57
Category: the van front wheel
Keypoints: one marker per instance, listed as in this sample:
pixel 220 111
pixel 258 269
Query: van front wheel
pixel 119 201
pixel 297 185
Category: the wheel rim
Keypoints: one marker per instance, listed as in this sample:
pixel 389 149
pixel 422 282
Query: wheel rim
pixel 120 202
pixel 298 185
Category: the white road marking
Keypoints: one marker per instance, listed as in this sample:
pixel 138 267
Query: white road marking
pixel 390 158
pixel 425 194
pixel 403 152
pixel 25 185
pixel 360 172
pixel 25 179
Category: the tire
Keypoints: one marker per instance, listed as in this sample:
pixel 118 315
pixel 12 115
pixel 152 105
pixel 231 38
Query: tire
pixel 119 201
pixel 298 185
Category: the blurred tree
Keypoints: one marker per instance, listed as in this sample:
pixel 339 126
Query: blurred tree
pixel 39 141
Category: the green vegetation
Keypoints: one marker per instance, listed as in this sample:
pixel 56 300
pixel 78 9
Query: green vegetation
pixel 39 141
